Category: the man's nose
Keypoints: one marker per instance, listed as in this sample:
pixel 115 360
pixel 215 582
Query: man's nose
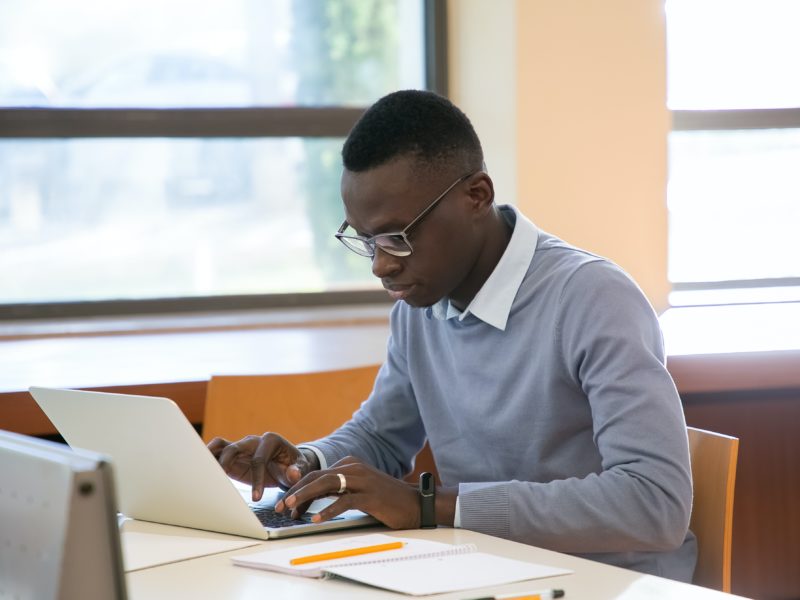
pixel 384 264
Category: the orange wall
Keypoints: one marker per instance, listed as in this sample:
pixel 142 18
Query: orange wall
pixel 578 89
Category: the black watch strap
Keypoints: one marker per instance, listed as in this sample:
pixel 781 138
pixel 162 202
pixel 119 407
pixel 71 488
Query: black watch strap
pixel 427 501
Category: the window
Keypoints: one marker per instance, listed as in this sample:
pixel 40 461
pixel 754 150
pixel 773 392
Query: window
pixel 189 151
pixel 734 185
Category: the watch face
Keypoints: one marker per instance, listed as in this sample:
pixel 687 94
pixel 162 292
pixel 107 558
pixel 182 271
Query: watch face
pixel 426 485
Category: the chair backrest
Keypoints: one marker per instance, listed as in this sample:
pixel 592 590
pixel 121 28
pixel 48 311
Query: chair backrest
pixel 299 406
pixel 713 457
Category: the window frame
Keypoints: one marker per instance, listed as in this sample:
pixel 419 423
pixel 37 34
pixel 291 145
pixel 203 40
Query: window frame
pixel 732 120
pixel 257 122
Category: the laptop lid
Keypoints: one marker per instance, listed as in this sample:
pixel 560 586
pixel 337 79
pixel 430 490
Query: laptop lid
pixel 59 535
pixel 165 473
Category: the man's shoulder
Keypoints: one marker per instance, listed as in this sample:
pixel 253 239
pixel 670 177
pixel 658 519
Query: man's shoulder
pixel 574 270
pixel 553 253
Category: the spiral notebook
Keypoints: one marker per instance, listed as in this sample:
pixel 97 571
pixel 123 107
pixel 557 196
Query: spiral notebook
pixel 420 567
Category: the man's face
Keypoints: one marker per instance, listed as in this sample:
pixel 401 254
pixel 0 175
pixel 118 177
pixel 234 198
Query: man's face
pixel 446 243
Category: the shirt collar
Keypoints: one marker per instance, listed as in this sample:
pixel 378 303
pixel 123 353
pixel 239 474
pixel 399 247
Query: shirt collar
pixel 492 303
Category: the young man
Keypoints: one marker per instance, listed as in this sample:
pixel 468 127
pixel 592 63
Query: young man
pixel 535 370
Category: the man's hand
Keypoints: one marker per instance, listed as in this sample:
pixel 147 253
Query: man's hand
pixel 263 461
pixel 393 502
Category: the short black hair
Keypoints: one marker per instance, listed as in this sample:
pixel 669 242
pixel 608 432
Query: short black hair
pixel 414 123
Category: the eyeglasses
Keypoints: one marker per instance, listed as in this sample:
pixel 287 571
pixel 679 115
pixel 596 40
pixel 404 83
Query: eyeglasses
pixel 396 243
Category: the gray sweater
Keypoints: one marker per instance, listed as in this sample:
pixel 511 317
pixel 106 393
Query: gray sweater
pixel 558 422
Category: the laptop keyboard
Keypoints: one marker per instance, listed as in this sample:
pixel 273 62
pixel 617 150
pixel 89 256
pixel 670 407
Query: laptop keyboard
pixel 269 517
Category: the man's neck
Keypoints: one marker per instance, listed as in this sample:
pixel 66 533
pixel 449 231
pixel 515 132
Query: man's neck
pixel 497 238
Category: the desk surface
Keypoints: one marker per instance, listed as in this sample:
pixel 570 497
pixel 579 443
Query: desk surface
pixel 216 577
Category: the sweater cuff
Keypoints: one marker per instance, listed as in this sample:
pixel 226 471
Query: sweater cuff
pixel 323 463
pixel 484 507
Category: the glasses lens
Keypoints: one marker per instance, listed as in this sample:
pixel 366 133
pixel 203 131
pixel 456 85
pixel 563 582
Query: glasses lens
pixel 357 245
pixel 395 245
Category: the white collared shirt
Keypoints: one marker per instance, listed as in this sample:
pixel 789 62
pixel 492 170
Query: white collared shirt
pixel 492 303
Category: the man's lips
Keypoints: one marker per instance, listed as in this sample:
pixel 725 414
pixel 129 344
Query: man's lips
pixel 398 292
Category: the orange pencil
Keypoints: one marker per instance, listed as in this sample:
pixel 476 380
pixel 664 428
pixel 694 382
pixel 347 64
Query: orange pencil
pixel 301 560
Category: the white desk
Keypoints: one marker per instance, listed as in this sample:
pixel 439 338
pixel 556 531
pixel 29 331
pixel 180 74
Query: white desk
pixel 146 545
pixel 215 577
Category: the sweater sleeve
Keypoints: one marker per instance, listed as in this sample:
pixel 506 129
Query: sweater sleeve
pixel 386 431
pixel 610 345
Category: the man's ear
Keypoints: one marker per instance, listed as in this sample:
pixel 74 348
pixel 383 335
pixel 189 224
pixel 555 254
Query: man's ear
pixel 481 192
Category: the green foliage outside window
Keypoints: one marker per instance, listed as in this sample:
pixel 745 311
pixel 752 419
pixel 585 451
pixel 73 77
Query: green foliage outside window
pixel 348 50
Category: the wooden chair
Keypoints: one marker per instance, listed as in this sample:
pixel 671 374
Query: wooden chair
pixel 299 406
pixel 713 457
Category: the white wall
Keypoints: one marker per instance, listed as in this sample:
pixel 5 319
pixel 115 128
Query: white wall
pixel 483 73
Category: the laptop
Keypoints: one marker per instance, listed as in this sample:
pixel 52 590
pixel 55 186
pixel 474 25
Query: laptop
pixel 59 523
pixel 165 473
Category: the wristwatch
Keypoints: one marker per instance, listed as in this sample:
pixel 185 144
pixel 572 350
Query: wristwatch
pixel 427 501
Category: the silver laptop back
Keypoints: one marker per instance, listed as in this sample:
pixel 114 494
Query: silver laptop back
pixel 59 537
pixel 165 473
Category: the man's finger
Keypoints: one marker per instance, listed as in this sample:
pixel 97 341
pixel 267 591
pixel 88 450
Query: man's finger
pixel 285 471
pixel 293 474
pixel 262 464
pixel 257 477
pixel 334 509
pixel 347 460
pixel 280 506
pixel 327 484
pixel 227 458
pixel 217 445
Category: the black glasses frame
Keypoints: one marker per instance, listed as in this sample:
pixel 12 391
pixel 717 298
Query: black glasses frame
pixel 393 242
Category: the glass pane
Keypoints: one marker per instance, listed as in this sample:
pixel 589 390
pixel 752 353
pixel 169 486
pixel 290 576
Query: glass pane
pixel 125 219
pixel 150 53
pixel 733 54
pixel 734 205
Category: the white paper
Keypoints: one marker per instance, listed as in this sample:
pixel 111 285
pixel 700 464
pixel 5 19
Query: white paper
pixel 278 560
pixel 446 573
pixel 420 567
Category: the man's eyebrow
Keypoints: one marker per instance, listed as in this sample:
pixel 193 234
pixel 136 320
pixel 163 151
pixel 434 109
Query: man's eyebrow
pixel 358 231
pixel 390 227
